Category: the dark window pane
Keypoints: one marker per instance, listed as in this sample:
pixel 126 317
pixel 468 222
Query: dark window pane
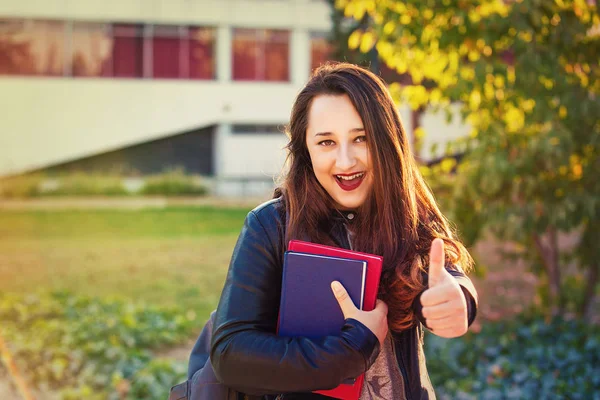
pixel 32 47
pixel 167 52
pixel 256 129
pixel 127 51
pixel 201 45
pixel 276 64
pixel 261 54
pixel 91 50
pixel 246 53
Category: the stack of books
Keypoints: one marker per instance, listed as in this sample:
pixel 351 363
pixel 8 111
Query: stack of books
pixel 308 306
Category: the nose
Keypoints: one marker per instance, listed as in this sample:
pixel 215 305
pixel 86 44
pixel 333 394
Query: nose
pixel 346 159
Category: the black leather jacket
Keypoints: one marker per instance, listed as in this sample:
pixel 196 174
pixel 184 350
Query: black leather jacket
pixel 247 355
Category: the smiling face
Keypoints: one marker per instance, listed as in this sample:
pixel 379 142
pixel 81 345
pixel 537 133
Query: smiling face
pixel 337 144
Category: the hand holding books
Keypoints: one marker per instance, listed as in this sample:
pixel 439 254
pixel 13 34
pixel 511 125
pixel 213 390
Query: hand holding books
pixel 375 320
pixel 444 304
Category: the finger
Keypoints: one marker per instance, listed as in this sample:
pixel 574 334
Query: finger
pixel 442 310
pixel 436 295
pixel 344 300
pixel 381 306
pixel 449 333
pixel 436 262
pixel 449 322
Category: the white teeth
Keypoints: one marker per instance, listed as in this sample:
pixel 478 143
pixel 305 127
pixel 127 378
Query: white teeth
pixel 349 178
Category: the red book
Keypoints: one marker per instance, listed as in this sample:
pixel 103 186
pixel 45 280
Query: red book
pixel 374 265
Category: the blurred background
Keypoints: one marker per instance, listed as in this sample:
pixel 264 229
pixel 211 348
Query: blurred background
pixel 135 135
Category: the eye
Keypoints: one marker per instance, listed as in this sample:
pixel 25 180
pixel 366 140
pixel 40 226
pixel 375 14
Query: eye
pixel 327 142
pixel 360 139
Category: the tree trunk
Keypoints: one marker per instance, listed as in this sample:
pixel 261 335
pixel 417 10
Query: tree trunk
pixel 590 292
pixel 549 253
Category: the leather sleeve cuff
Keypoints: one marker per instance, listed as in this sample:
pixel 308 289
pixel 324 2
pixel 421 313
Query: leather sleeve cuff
pixel 363 340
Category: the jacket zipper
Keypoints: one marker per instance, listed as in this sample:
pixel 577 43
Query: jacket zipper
pixel 402 367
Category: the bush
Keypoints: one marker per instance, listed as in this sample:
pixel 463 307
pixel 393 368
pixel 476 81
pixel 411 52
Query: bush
pixel 24 186
pixel 81 184
pixel 91 348
pixel 174 183
pixel 526 358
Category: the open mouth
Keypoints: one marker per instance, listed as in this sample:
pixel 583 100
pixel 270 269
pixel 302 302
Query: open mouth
pixel 350 182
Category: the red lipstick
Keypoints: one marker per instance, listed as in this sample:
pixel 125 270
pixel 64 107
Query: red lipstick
pixel 349 185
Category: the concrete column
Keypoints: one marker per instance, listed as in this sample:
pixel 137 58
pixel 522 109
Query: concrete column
pixel 299 56
pixel 222 132
pixel 223 57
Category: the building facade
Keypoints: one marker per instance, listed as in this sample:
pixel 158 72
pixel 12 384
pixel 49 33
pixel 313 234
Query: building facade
pixel 141 84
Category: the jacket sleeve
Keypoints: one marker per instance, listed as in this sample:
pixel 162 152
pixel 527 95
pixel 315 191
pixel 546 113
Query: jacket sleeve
pixel 248 356
pixel 469 292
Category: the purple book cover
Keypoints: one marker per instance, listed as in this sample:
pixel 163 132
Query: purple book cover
pixel 308 306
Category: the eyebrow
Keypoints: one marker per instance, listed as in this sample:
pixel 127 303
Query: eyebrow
pixel 354 130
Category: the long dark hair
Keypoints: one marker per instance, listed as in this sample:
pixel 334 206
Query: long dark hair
pixel 399 218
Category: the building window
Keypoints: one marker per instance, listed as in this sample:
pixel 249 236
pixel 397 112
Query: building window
pixel 183 52
pixel 127 56
pixel 201 48
pixel 245 129
pixel 88 49
pixel 320 50
pixel 32 47
pixel 168 53
pixel 261 55
pixel 91 50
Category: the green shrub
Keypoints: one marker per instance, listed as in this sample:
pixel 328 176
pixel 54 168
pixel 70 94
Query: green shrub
pixel 82 184
pixel 525 358
pixel 79 346
pixel 23 186
pixel 174 183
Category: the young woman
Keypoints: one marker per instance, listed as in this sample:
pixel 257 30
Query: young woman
pixel 351 182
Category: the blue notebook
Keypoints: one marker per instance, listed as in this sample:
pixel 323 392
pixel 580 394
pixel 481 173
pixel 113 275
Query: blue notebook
pixel 308 307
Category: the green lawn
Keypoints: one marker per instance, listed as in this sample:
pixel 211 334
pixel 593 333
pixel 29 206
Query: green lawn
pixel 176 256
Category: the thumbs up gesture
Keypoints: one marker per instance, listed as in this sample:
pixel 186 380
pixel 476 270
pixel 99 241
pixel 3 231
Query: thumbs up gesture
pixel 444 304
pixel 375 320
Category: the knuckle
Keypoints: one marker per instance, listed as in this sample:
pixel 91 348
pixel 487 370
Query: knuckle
pixel 342 296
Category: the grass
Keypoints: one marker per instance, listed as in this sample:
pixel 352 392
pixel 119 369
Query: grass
pixel 176 256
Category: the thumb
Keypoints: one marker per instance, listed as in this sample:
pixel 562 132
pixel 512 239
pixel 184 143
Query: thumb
pixel 346 303
pixel 436 262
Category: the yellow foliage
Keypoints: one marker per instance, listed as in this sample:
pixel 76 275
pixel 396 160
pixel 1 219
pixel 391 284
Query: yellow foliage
pixel 528 105
pixel 562 170
pixel 467 73
pixel 447 164
pixel 488 91
pixel 405 19
pixel 514 118
pixel 474 16
pixel 525 36
pixel 473 56
pixel 499 81
pixel 474 100
pixel 354 40
pixel 367 41
pixel 419 133
pixel 389 27
pixel 562 112
pixel 435 95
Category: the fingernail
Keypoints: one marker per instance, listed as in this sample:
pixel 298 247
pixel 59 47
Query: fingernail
pixel 336 286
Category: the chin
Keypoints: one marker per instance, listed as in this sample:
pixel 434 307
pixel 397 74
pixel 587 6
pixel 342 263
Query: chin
pixel 349 204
